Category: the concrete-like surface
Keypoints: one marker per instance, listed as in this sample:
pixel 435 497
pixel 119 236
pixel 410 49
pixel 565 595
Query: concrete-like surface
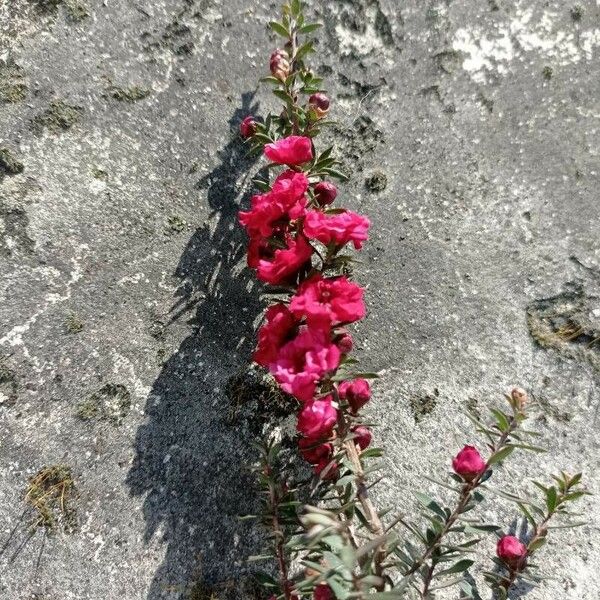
pixel 126 308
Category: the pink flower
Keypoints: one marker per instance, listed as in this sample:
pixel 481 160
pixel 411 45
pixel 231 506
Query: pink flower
pixel 332 300
pixel 511 551
pixel 248 127
pixel 339 228
pixel 313 452
pixel 292 150
pixel 292 183
pixel 285 263
pixel 274 210
pixel 362 436
pixel 356 392
pixel 323 592
pixel 271 336
pixel 302 362
pixel 325 192
pixel 468 463
pixel 317 418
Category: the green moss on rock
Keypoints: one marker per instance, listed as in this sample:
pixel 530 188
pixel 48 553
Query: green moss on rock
pixel 58 117
pixel 8 163
pixel 131 94
pixel 112 403
pixel 12 82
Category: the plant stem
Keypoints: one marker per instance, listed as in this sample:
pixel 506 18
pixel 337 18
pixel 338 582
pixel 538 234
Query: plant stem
pixel 286 586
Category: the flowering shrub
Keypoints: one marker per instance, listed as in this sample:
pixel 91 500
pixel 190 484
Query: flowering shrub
pixel 329 541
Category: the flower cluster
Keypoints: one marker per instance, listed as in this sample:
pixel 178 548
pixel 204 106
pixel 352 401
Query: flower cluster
pixel 304 341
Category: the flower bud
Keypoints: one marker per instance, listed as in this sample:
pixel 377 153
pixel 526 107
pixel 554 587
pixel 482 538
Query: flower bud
pixel 319 102
pixel 344 342
pixel 313 452
pixel 511 551
pixel 356 392
pixel 362 436
pixel 468 463
pixel 325 192
pixel 280 64
pixel 518 398
pixel 248 127
pixel 323 592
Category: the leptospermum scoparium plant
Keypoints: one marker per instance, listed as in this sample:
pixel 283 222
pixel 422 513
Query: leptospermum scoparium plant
pixel 328 538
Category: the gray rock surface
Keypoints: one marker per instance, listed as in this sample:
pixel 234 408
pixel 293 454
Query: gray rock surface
pixel 472 133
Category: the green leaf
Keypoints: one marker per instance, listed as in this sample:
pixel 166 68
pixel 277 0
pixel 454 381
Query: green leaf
pixel 371 453
pixel 527 513
pixel 574 496
pixel 458 567
pixel 551 499
pixel 295 6
pixel 259 557
pixel 536 545
pixel 304 50
pixel 279 29
pixel 429 503
pixel 266 580
pixel 501 419
pixel 309 28
pixel 474 527
pixel 500 455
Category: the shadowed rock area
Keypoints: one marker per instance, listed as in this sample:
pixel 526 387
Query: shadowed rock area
pixel 471 134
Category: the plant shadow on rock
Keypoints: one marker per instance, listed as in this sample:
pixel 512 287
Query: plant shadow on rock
pixel 190 462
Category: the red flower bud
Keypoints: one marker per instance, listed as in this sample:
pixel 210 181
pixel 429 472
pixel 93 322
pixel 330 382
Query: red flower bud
pixel 511 551
pixel 280 64
pixel 325 192
pixel 356 392
pixel 468 463
pixel 362 436
pixel 319 102
pixel 344 343
pixel 248 127
pixel 313 452
pixel 323 592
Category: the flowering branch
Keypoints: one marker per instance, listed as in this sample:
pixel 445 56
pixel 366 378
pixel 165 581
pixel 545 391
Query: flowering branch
pixel 296 244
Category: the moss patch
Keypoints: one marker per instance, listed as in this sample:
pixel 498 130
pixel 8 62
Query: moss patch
pixel 175 224
pixel 76 9
pixel 577 13
pixel 255 396
pixel 421 406
pixel 568 323
pixel 131 94
pixel 376 182
pixel 50 495
pixel 58 117
pixel 9 164
pixel 73 324
pixel 111 403
pixel 12 82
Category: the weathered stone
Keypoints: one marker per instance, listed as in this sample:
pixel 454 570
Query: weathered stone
pixel 490 210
